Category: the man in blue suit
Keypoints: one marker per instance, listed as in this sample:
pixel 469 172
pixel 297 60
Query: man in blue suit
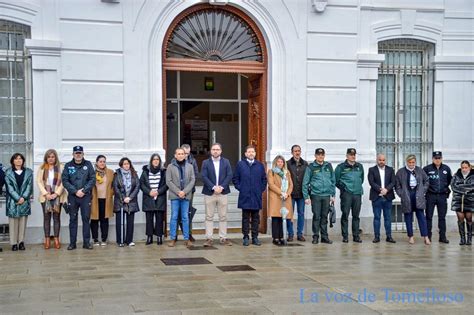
pixel 251 181
pixel 216 174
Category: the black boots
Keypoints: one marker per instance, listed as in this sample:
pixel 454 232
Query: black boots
pixel 469 233
pixel 462 233
pixel 149 240
pixel 159 240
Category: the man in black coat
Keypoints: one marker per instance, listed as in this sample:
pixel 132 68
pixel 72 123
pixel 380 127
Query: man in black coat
pixel 382 182
pixel 440 177
pixel 2 179
pixel 297 167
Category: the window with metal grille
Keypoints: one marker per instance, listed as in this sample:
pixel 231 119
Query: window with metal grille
pixel 15 92
pixel 405 101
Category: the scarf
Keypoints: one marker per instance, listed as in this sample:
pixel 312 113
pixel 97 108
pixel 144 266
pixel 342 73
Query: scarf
pixel 284 181
pixel 52 205
pixel 127 180
pixel 100 174
pixel 153 169
pixel 412 180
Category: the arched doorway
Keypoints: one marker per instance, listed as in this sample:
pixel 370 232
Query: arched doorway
pixel 215 83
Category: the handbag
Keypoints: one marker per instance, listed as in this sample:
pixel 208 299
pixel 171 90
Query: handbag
pixel 66 207
pixel 332 215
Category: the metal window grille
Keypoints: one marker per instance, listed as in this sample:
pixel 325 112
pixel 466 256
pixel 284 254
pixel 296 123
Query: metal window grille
pixel 15 92
pixel 405 101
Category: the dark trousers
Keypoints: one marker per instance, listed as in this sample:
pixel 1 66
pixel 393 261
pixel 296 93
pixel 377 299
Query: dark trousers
pixel 124 233
pixel 84 204
pixel 320 208
pixel 350 201
pixel 440 201
pixel 47 222
pixel 250 216
pixel 154 223
pixel 420 217
pixel 103 221
pixel 379 206
pixel 277 227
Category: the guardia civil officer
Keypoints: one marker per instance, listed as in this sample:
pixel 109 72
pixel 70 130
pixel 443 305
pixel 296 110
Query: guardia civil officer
pixel 349 180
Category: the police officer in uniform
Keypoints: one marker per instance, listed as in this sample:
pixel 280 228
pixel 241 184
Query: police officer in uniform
pixel 349 180
pixel 79 178
pixel 440 177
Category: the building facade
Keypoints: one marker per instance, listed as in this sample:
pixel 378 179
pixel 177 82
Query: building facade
pixel 133 77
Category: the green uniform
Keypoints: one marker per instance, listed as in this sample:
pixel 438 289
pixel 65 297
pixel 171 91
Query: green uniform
pixel 349 180
pixel 320 182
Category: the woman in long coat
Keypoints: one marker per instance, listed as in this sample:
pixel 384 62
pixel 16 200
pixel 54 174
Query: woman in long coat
pixel 411 185
pixel 462 185
pixel 126 189
pixel 153 185
pixel 280 187
pixel 102 203
pixel 52 195
pixel 19 183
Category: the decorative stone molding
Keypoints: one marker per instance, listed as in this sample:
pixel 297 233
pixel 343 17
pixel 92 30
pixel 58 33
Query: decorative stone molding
pixel 319 5
pixel 454 62
pixel 218 2
pixel 45 53
pixel 368 65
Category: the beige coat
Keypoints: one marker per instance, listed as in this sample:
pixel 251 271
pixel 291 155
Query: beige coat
pixel 60 191
pixel 274 195
pixel 109 201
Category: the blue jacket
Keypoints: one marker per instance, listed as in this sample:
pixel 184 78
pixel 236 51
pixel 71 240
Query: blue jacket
pixel 439 179
pixel 251 182
pixel 78 176
pixel 208 174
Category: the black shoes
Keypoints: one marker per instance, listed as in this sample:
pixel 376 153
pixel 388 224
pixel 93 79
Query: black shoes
pixel 149 240
pixel 88 246
pixel 326 241
pixel 71 247
pixel 376 240
pixel 443 239
pixel 389 239
pixel 357 239
pixel 21 246
pixel 14 248
pixel 301 238
pixel 315 240
pixel 345 240
pixel 159 240
pixel 256 241
pixel 246 242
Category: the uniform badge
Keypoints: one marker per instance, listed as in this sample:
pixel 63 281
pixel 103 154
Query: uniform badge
pixel 444 172
pixel 84 168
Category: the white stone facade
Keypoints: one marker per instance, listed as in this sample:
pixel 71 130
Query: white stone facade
pixel 96 67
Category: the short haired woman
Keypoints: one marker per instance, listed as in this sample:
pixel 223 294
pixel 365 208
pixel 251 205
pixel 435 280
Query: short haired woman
pixel 411 185
pixel 126 189
pixel 462 185
pixel 19 183
pixel 280 187
pixel 52 195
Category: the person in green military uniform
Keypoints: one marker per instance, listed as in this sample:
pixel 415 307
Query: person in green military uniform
pixel 319 184
pixel 349 180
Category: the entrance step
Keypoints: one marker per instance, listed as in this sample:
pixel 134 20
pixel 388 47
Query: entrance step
pixel 234 214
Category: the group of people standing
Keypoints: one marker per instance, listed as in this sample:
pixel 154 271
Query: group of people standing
pixel 99 193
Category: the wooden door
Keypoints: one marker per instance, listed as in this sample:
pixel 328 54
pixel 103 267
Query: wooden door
pixel 256 129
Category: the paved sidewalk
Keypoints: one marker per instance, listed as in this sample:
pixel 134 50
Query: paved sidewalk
pixel 298 279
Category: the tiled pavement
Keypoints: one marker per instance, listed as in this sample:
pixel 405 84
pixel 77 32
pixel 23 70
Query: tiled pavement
pixel 286 280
